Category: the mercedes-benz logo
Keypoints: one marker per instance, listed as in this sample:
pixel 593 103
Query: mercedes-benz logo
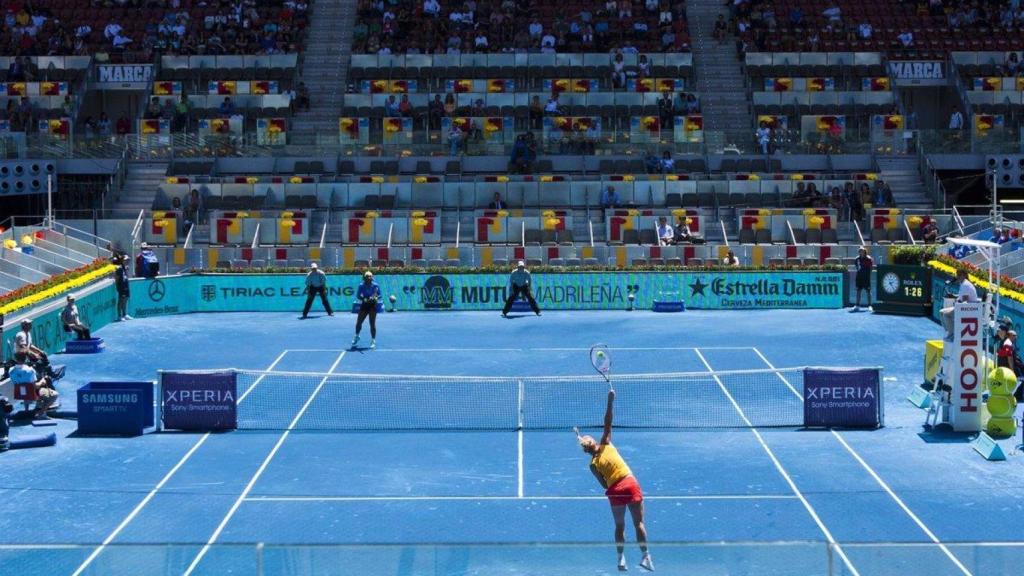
pixel 156 290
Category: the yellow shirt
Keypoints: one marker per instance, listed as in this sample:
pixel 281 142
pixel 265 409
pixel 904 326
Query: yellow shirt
pixel 610 465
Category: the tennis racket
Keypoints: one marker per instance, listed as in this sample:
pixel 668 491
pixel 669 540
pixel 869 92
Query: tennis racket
pixel 601 359
pixel 576 430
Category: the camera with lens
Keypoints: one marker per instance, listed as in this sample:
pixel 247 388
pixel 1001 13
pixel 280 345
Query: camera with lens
pixel 5 405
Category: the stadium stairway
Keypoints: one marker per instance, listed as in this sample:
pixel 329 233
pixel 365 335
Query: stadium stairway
pixel 903 175
pixel 141 183
pixel 324 69
pixel 720 78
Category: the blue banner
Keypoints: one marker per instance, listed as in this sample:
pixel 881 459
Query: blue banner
pixel 199 401
pixel 846 398
pixel 568 291
pixel 115 408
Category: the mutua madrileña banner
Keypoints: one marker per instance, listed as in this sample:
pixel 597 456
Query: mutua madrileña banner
pixel 194 401
pixel 846 398
pixel 553 291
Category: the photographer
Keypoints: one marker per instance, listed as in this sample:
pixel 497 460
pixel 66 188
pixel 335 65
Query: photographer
pixel 46 394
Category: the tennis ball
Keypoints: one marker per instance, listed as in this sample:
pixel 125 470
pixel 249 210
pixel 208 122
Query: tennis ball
pixel 600 354
pixel 1002 381
pixel 1000 406
pixel 1001 427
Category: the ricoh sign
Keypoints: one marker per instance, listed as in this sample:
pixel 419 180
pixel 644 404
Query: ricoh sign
pixel 968 367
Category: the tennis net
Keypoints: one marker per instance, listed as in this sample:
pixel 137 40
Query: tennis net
pixel 313 401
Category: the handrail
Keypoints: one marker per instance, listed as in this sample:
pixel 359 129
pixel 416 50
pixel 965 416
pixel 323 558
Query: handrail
pixel 188 237
pixel 958 219
pixel 860 235
pixel 522 234
pixel 725 236
pixel 323 235
pixel 792 235
pixel 590 223
pixel 391 230
pixel 256 236
pixel 458 234
pixel 910 234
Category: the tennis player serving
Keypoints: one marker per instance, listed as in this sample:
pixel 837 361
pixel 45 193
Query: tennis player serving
pixel 368 295
pixel 621 487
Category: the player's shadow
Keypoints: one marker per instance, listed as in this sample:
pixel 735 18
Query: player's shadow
pixel 516 316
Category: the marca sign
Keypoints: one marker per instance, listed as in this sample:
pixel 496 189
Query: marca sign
pixel 124 76
pixel 918 72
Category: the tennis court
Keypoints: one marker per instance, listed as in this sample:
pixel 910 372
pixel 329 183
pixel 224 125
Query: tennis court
pixel 721 497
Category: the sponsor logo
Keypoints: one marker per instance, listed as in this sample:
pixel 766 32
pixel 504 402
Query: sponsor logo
pixel 968 360
pixel 109 398
pixel 116 73
pixel 199 396
pixel 157 290
pixel 208 292
pixel 437 293
pixel 917 70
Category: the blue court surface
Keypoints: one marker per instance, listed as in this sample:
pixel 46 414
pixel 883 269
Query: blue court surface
pixel 737 500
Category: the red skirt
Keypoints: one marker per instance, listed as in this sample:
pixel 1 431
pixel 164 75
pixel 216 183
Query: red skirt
pixel 624 492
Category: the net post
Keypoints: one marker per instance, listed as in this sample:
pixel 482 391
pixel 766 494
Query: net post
pixel 519 404
pixel 881 398
pixel 158 398
pixel 829 557
pixel 259 559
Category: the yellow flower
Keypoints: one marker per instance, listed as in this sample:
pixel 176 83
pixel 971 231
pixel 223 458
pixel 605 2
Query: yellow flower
pixel 421 222
pixel 58 289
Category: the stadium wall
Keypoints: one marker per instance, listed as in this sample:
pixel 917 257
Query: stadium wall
pixel 566 291
pixel 97 305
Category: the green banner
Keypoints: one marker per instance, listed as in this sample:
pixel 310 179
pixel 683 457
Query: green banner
pixel 569 291
pixel 97 309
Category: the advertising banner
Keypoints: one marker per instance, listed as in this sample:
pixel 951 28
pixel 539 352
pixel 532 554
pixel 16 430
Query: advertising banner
pixel 846 398
pixel 568 291
pixel 199 401
pixel 115 408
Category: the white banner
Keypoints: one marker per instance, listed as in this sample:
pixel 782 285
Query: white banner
pixel 968 362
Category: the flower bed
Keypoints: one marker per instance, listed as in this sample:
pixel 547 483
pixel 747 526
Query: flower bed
pixel 534 269
pixel 1008 287
pixel 32 294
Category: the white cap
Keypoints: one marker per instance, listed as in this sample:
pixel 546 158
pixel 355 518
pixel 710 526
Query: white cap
pixel 313 266
pixel 521 264
pixel 145 245
pixel 367 274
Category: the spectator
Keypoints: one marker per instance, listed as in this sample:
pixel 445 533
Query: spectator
pixel 929 231
pixel 668 164
pixel 302 97
pixel 147 265
pixel 103 125
pixel 522 158
pixel 391 109
pixel 1005 237
pixel 866 197
pixel 25 112
pixel 46 395
pixel 764 138
pixel 190 211
pixel 815 197
pixel 956 120
pixel 547 43
pixel 835 202
pixel 535 28
pixel 455 139
pixel 618 72
pixel 683 233
pixel 643 67
pixel 435 111
pixel 692 103
pixel 123 126
pixel 1011 65
pixel 665 234
pixel 497 203
pixel 864 264
pixel 720 30
pixel 665 109
pixel 833 13
pixel 610 198
pixel 449 104
pixel 405 107
pixel 72 321
pixel 652 163
pixel 967 293
pixel 906 39
pixel 16 70
pixel 431 8
pixel 227 107
pixel 122 284
pixel 182 112
pixel 536 113
pixel 153 108
pixel 801 197
pixel 552 108
pixel 730 259
pixel 853 199
pixel 865 30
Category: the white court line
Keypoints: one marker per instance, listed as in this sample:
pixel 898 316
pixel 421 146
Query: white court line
pixel 502 498
pixel 260 470
pixel 778 465
pixel 634 349
pixel 899 501
pixel 163 481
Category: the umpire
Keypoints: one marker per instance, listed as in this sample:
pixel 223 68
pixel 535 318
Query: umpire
pixel 316 283
pixel 520 282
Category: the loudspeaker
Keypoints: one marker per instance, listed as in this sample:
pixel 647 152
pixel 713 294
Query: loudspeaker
pixel 1008 170
pixel 25 176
